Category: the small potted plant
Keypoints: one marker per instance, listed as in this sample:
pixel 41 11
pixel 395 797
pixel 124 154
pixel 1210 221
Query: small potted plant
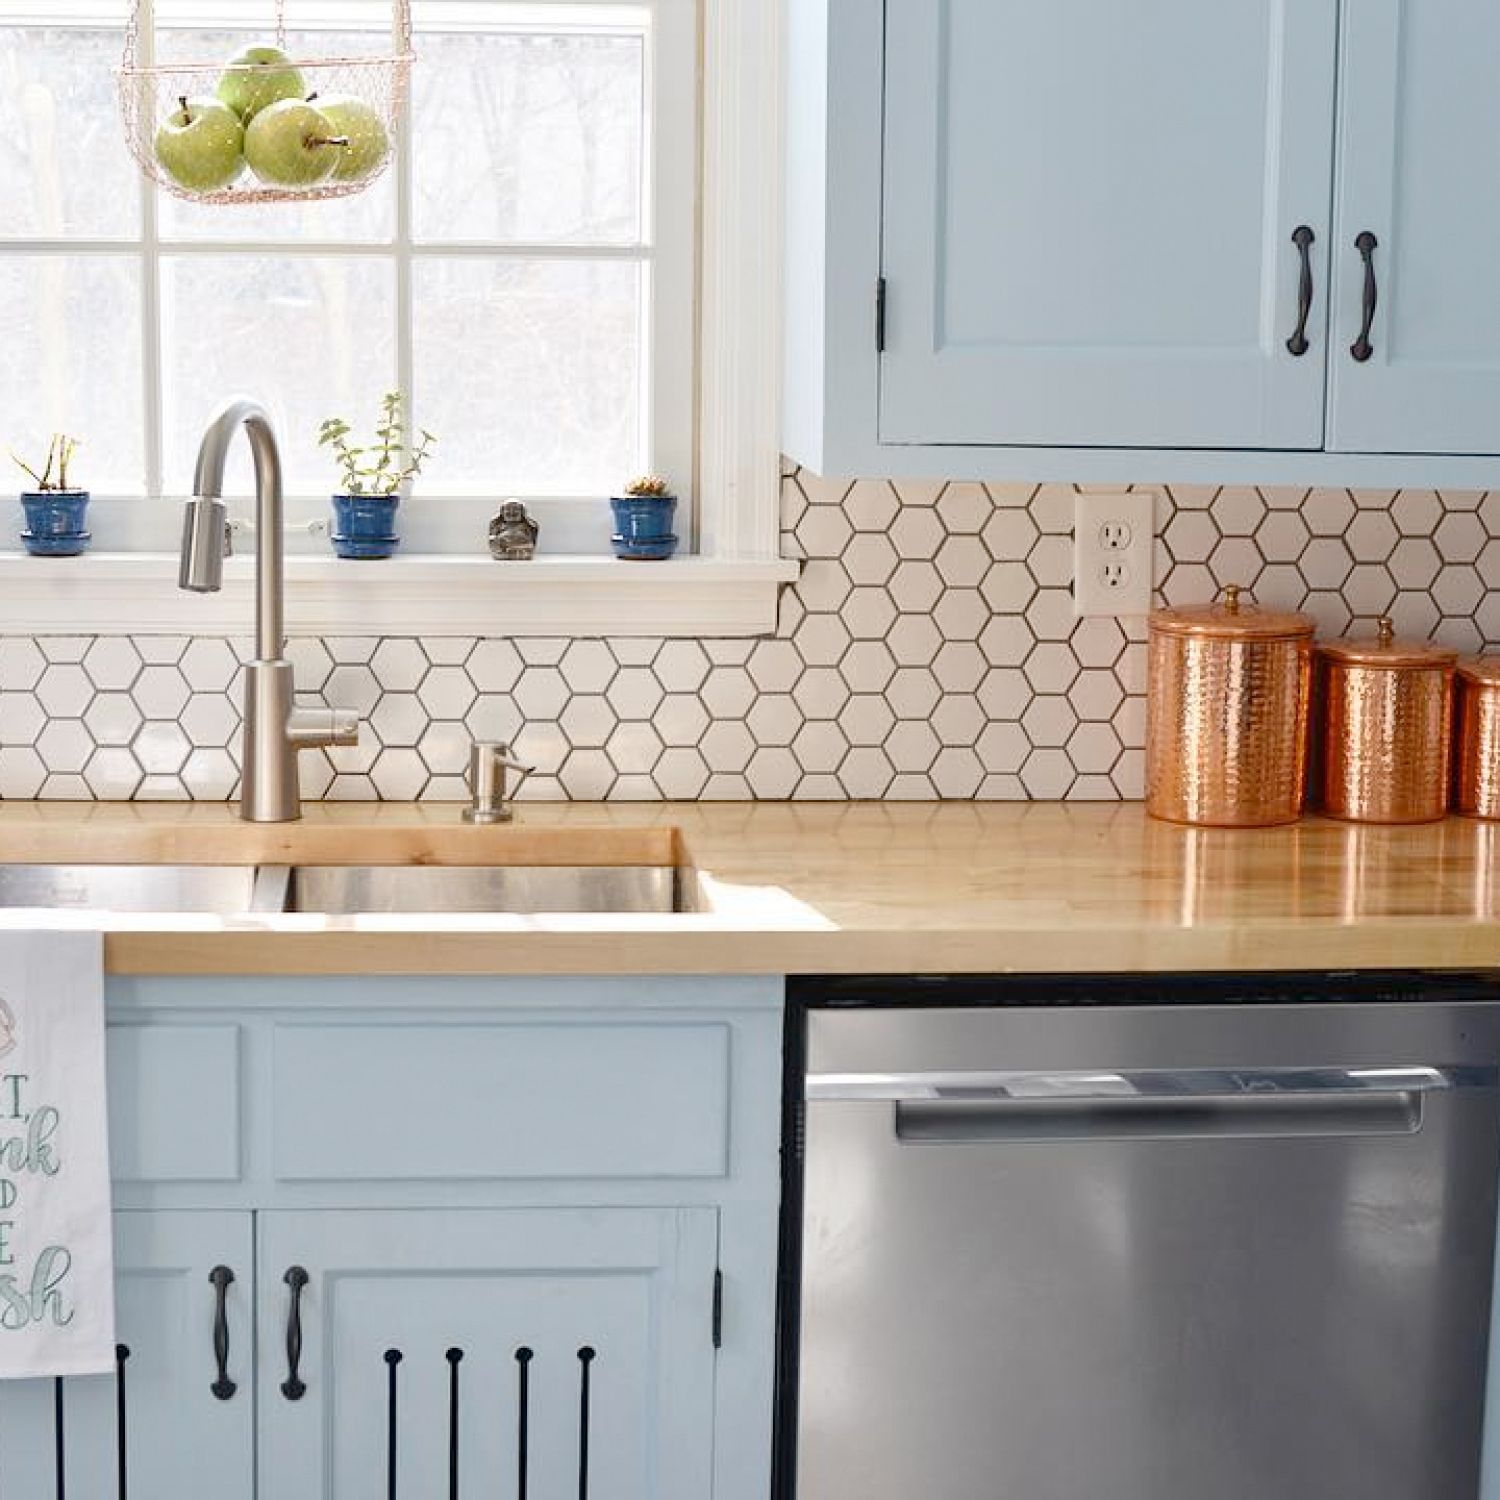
pixel 364 512
pixel 55 510
pixel 643 520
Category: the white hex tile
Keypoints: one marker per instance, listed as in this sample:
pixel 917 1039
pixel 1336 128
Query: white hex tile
pixel 1096 694
pixel 1004 693
pixel 727 692
pixel 1009 535
pixel 1051 615
pixel 1051 667
pixel 1415 563
pixel 1001 789
pixel 1368 590
pixel 775 666
pixel 866 719
pixel 871 505
pixel 1463 635
pixel 1460 537
pixel 1235 560
pixel 1487 617
pixel 912 746
pixel 162 650
pixel 1097 642
pixel 680 774
pixel 22 719
pixel 823 586
pixel 910 786
pixel 1131 668
pixel 445 789
pixel 1050 562
pixel 773 773
pixel 1193 496
pixel 1328 512
pixel 1006 640
pixel 1093 748
pixel 1281 536
pixel 789 612
pixel 207 719
pixel 65 787
pixel 345 787
pixel 494 717
pixel 793 504
pixel 541 650
pixel 865 774
pixel 161 747
pixel 541 744
pixel 112 662
pixel 1052 507
pixel 870 559
pixel 958 719
pixel 824 532
pixel 1414 614
pixel 1011 496
pixel 348 760
pixel 1189 583
pixel 917 533
pixel 1326 563
pixel 681 719
pixel 868 613
pixel 634 749
pixel 1279 586
pixel 1191 536
pixel 1129 775
pixel 208 665
pixel 448 651
pixel 64 691
pixel 1093 788
pixel 963 561
pixel 819 747
pixel 1002 747
pixel 447 692
pixel 1130 723
pixel 915 586
pixel 444 748
pixel 634 787
pixel 540 693
pixel 913 693
pixel 964 508
pixel 1488 564
pixel 353 687
pixel 820 491
pixel 399 719
pixel 821 692
pixel 112 774
pixel 1372 536
pixel 22 772
pixel 959 667
pixel 588 720
pixel 1049 720
pixel 1330 610
pixel 1047 775
pixel 727 747
pixel 65 745
pixel 1416 512
pixel 1238 510
pixel 399 775
pixel 774 719
pixel 956 772
pixel 867 666
pixel 400 665
pixel 588 666
pixel 962 614
pixel 171 789
pixel 681 666
pixel 1373 499
pixel 822 641
pixel 65 648
pixel 494 666
pixel 914 640
pixel 311 663
pixel 1008 587
pixel 21 664
pixel 351 650
pixel 1456 591
pixel 634 693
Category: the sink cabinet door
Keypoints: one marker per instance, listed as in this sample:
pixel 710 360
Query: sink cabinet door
pixel 443 1351
pixel 177 1433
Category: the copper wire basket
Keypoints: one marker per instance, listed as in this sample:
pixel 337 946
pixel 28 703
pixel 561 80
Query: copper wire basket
pixel 151 89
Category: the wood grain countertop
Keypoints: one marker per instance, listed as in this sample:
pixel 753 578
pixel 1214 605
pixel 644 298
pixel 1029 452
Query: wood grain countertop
pixel 818 888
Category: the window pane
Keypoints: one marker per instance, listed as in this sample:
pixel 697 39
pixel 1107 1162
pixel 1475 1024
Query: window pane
pixel 529 372
pixel 310 336
pixel 70 329
pixel 369 215
pixel 530 138
pixel 64 166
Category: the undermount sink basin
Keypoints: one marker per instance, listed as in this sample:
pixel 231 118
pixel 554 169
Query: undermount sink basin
pixel 130 888
pixel 517 889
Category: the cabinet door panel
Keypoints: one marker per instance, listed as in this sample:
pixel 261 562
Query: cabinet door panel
pixel 1088 221
pixel 1419 115
pixel 632 1286
pixel 177 1432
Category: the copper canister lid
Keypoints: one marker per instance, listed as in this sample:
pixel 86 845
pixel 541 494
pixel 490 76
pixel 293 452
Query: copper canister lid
pixel 1233 617
pixel 1484 671
pixel 1384 650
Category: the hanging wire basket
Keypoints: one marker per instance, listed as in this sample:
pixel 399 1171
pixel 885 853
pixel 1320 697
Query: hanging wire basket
pixel 327 126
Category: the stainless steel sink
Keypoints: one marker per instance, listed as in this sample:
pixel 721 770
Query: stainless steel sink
pixel 130 888
pixel 518 889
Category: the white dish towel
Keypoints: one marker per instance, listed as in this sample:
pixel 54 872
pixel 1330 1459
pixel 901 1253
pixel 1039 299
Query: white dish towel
pixel 57 1313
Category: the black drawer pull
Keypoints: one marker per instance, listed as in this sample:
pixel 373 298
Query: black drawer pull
pixel 293 1387
pixel 1302 238
pixel 221 1278
pixel 1362 348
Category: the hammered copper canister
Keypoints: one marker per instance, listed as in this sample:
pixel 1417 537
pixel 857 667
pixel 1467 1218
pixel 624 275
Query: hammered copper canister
pixel 1476 710
pixel 1387 728
pixel 1228 689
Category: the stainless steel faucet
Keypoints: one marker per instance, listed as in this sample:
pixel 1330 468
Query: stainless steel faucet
pixel 275 728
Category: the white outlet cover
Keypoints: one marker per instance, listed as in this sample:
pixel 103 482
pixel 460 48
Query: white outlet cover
pixel 1114 552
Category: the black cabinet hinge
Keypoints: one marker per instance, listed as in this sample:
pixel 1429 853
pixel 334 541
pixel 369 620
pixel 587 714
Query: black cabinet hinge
pixel 718 1315
pixel 880 316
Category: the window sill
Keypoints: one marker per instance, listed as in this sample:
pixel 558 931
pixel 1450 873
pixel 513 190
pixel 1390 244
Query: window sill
pixel 137 594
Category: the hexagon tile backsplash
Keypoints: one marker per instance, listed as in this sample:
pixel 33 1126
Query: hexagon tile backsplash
pixel 929 651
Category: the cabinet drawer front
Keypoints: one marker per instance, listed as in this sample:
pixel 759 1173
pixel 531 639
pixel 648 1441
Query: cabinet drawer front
pixel 411 1102
pixel 174 1103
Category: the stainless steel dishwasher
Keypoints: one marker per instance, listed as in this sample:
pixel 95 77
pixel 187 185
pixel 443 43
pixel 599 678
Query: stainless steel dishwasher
pixel 1185 1239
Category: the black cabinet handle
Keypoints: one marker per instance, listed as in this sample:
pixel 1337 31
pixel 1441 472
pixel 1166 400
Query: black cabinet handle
pixel 1302 238
pixel 292 1387
pixel 221 1278
pixel 1362 348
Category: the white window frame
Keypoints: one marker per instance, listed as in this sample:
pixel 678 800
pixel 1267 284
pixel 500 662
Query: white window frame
pixel 714 410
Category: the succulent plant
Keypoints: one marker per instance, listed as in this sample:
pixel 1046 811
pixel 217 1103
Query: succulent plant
pixel 651 486
pixel 60 453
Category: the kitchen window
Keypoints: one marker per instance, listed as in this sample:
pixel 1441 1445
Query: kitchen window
pixel 528 270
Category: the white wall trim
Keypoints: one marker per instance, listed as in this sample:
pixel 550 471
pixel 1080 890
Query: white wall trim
pixel 136 594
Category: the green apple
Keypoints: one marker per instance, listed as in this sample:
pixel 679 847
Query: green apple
pixel 256 77
pixel 369 142
pixel 292 144
pixel 200 145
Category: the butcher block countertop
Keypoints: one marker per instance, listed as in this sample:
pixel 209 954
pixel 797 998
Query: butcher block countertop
pixel 817 888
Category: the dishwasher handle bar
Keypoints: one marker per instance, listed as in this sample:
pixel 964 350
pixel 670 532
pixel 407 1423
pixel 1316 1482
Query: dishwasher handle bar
pixel 1112 1085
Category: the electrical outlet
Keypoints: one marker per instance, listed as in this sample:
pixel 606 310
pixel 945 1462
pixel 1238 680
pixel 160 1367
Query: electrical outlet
pixel 1114 550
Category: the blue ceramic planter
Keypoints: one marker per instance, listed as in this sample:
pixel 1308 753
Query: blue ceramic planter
pixel 643 527
pixel 364 526
pixel 55 522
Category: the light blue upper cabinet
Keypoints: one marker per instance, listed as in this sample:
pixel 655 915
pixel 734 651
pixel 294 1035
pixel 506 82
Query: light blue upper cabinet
pixel 1089 221
pixel 1084 241
pixel 1419 124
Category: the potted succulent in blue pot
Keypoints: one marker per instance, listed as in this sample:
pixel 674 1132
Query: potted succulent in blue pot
pixel 643 520
pixel 56 511
pixel 373 477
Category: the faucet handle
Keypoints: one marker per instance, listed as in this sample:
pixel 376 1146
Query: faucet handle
pixel 205 544
pixel 489 760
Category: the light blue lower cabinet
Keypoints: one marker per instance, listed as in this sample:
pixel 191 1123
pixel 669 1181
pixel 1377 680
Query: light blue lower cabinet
pixel 176 1430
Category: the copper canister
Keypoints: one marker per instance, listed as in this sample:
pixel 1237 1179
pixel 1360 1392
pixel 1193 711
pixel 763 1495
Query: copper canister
pixel 1387 728
pixel 1476 710
pixel 1228 686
